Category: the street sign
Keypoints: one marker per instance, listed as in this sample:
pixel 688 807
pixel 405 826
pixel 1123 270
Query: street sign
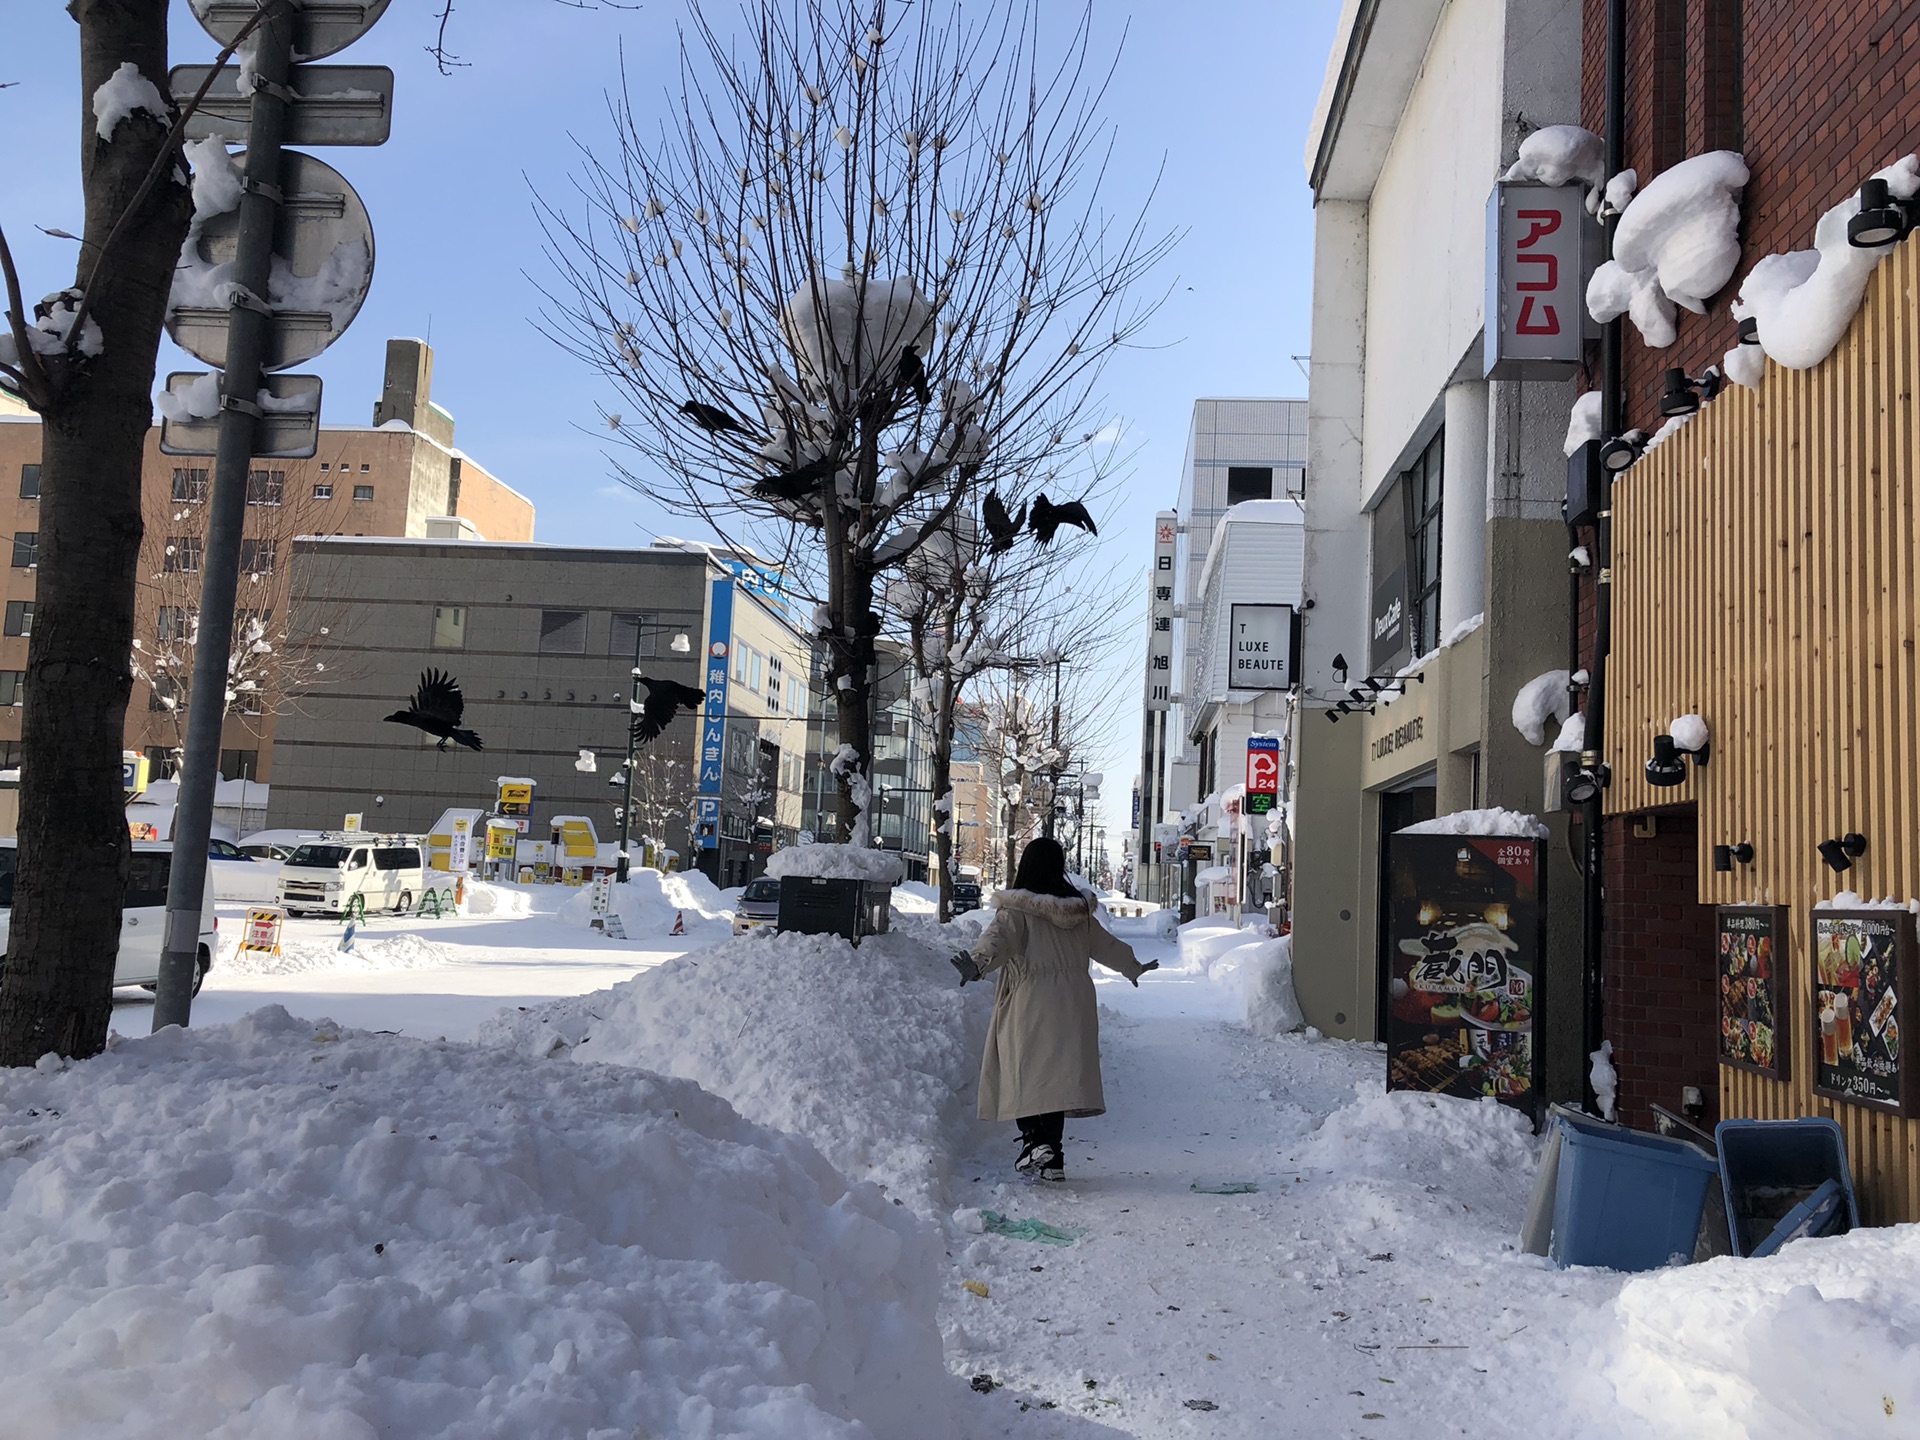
pixel 320 27
pixel 1263 773
pixel 1263 647
pixel 332 104
pixel 322 269
pixel 1538 241
pixel 288 427
pixel 262 930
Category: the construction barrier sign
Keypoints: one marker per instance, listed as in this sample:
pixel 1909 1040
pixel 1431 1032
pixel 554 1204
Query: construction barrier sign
pixel 262 931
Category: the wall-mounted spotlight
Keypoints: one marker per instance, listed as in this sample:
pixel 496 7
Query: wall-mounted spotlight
pixel 1339 669
pixel 1882 220
pixel 1679 398
pixel 1725 855
pixel 1840 854
pixel 1617 453
pixel 1586 783
pixel 1666 769
pixel 1749 330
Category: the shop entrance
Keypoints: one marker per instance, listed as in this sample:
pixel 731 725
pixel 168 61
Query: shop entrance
pixel 1398 809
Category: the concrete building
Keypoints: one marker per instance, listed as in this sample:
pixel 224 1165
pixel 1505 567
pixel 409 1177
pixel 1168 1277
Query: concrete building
pixel 394 477
pixel 543 641
pixel 1434 539
pixel 1246 461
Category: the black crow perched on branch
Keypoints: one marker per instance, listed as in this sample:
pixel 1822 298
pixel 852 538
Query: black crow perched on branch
pixel 437 708
pixel 665 700
pixel 912 375
pixel 1048 517
pixel 711 418
pixel 795 485
pixel 1002 529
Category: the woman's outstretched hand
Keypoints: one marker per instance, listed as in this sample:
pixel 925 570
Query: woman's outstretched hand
pixel 1150 965
pixel 964 963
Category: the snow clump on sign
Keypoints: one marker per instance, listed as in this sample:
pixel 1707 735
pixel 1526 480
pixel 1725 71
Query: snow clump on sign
pixel 344 1234
pixel 217 181
pixel 199 401
pixel 1805 300
pixel 1572 738
pixel 1677 243
pixel 1495 822
pixel 124 94
pixel 1560 155
pixel 1584 423
pixel 1542 698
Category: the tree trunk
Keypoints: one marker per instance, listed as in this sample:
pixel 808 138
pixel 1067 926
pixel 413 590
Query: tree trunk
pixel 65 932
pixel 850 583
pixel 943 832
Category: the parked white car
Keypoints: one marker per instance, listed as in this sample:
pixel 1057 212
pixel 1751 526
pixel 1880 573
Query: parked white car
pixel 322 877
pixel 143 916
pixel 233 874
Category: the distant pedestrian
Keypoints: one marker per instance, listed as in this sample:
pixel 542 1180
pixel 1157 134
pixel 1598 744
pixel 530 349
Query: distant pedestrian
pixel 1042 1059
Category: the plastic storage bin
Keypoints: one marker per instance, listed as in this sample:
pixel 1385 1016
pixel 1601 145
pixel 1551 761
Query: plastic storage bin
pixel 1775 1176
pixel 1626 1200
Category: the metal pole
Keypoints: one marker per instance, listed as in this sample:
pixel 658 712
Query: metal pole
pixel 249 327
pixel 621 865
pixel 1053 770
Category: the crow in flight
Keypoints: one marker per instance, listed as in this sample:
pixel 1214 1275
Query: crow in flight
pixel 796 485
pixel 665 700
pixel 1002 529
pixel 711 418
pixel 437 708
pixel 1048 517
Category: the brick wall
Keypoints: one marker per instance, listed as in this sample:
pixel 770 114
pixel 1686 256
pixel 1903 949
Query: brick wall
pixel 1814 92
pixel 1659 978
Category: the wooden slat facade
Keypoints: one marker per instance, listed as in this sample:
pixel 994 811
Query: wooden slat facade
pixel 1765 564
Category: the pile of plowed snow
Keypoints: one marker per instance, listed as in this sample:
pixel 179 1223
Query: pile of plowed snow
pixel 280 1228
pixel 872 1053
pixel 650 903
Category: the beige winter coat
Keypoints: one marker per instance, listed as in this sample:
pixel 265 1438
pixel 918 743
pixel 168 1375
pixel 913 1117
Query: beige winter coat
pixel 1043 1050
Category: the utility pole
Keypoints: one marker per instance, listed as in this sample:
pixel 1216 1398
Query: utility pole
pixel 1053 770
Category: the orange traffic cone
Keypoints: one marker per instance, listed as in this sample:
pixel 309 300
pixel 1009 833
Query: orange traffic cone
pixel 679 923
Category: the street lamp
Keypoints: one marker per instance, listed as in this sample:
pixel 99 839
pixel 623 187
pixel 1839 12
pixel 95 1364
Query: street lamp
pixel 681 644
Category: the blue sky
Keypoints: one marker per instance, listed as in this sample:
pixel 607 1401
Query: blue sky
pixel 1221 93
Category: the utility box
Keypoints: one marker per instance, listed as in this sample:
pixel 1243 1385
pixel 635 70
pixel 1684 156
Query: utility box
pixel 832 905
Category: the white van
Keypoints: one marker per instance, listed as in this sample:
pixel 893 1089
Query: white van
pixel 322 876
pixel 143 914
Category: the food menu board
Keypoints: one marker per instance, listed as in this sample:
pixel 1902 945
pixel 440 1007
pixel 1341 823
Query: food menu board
pixel 1752 969
pixel 1863 964
pixel 1463 948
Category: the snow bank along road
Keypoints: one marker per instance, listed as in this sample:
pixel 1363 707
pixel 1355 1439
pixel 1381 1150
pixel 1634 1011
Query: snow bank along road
pixel 288 1227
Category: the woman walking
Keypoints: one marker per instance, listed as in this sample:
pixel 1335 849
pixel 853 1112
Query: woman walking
pixel 1042 1061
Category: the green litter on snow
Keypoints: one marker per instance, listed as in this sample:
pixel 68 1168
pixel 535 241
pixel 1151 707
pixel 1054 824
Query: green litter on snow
pixel 1035 1230
pixel 1224 1187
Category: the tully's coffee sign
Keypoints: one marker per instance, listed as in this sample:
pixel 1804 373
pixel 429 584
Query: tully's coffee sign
pixel 1863 968
pixel 1752 967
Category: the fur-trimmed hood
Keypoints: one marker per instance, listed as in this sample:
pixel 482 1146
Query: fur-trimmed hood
pixel 1057 908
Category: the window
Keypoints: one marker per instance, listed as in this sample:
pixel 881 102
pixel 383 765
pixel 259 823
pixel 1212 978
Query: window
pixel 266 487
pixel 742 659
pixel 182 557
pixel 19 617
pixel 398 858
pixel 257 556
pixel 364 467
pixel 450 627
pixel 1249 482
pixel 563 632
pixel 363 492
pixel 175 622
pixel 189 486
pixel 633 635
pixel 29 482
pixel 162 763
pixel 26 549
pixel 148 872
pixel 755 660
pixel 1423 483
pixel 239 764
pixel 324 467
pixel 164 694
pixel 323 492
pixel 13 686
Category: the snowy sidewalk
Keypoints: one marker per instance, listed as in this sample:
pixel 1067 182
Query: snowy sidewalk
pixel 1351 1294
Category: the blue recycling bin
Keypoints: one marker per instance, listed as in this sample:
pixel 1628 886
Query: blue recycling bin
pixel 1626 1200
pixel 1784 1179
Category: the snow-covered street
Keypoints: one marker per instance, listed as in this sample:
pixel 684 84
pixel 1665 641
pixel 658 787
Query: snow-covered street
pixel 274 1225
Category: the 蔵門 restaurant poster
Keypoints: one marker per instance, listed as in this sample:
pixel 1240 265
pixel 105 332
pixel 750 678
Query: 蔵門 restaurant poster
pixel 1463 950
pixel 1752 963
pixel 1863 967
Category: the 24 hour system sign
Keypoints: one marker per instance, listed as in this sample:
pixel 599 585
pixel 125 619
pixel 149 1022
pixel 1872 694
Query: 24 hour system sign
pixel 1262 650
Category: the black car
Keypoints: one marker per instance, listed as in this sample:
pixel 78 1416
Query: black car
pixel 966 896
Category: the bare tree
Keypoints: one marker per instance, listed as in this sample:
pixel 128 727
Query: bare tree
pixel 862 276
pixel 83 359
pixel 273 663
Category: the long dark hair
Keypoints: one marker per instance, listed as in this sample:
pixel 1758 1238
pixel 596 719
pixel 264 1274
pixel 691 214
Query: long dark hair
pixel 1043 870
